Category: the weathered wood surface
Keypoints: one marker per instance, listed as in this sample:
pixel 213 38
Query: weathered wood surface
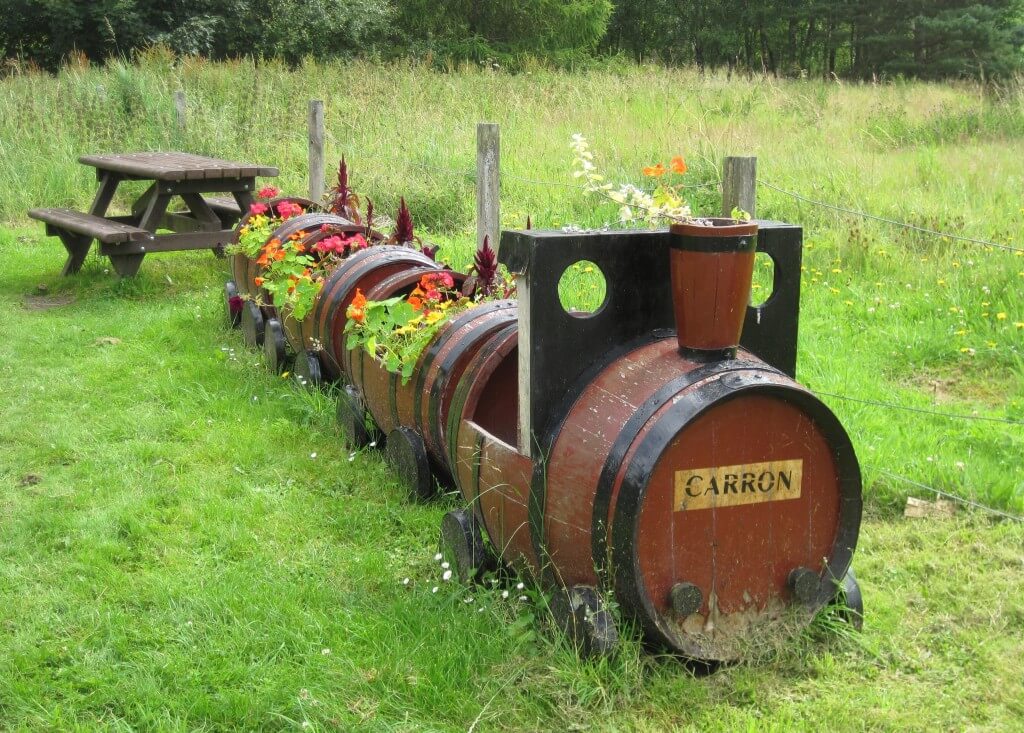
pixel 96 227
pixel 175 166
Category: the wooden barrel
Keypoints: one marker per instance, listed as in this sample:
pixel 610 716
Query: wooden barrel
pixel 481 434
pixel 362 270
pixel 719 501
pixel 423 402
pixel 244 270
pixel 299 334
pixel 441 366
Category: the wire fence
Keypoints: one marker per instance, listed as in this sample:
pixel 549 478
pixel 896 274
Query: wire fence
pixel 893 222
pixel 951 497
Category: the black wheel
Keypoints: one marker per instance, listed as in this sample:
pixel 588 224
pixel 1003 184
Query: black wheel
pixel 463 544
pixel 408 456
pixel 352 418
pixel 232 304
pixel 584 619
pixel 274 346
pixel 252 324
pixel 307 368
pixel 850 602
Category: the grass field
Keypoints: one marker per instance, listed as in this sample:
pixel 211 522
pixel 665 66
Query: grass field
pixel 172 556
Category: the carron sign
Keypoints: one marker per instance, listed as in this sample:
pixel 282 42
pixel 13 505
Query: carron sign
pixel 750 483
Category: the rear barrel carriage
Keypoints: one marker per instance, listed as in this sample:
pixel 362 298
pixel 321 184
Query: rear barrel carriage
pixel 695 486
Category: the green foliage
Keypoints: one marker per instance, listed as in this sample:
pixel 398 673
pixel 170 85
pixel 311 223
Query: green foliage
pixel 503 32
pixel 953 38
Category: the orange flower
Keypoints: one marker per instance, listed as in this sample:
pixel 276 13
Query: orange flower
pixel 280 254
pixel 655 171
pixel 262 260
pixel 356 311
pixel 416 303
pixel 259 282
pixel 678 165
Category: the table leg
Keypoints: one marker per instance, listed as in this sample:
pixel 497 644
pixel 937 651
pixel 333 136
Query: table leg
pixel 77 246
pixel 139 207
pixel 127 265
pixel 105 194
pixel 202 212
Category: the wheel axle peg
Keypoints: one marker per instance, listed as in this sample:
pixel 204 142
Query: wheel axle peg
pixel 686 598
pixel 805 584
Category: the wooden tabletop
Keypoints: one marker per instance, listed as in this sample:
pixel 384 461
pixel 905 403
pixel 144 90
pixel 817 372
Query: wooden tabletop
pixel 175 166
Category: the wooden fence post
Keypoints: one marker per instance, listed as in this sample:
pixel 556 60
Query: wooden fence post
pixel 739 185
pixel 316 149
pixel 488 189
pixel 179 110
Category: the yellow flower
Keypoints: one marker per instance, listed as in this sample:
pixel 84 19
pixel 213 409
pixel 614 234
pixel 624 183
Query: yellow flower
pixel 1019 325
pixel 836 270
pixel 434 316
pixel 961 332
pixel 942 282
pixel 1000 316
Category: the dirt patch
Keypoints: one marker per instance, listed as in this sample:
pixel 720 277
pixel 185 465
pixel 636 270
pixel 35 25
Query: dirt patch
pixel 957 384
pixel 47 302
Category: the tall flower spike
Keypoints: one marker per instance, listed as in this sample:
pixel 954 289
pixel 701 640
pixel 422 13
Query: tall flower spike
pixel 403 225
pixel 369 217
pixel 485 262
pixel 529 223
pixel 344 201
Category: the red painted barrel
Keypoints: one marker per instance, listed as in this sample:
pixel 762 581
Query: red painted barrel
pixel 362 270
pixel 718 500
pixel 423 403
pixel 481 432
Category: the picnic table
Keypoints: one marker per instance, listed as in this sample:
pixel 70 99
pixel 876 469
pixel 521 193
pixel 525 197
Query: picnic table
pixel 206 221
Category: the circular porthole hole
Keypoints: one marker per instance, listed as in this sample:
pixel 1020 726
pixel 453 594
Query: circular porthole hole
pixel 763 284
pixel 582 289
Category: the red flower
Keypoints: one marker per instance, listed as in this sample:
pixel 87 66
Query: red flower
pixel 268 192
pixel 258 208
pixel 288 209
pixel 235 304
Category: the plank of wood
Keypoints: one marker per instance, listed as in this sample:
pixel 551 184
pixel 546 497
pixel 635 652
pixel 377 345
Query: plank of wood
pixel 924 509
pixel 175 166
pixel 104 230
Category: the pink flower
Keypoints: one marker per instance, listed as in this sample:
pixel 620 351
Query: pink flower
pixel 268 192
pixel 357 241
pixel 288 209
pixel 445 280
pixel 258 209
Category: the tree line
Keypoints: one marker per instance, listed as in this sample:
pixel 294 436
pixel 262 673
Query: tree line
pixel 864 39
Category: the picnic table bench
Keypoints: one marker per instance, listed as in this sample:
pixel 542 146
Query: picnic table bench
pixel 206 222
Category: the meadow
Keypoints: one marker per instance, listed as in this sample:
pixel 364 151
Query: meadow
pixel 186 543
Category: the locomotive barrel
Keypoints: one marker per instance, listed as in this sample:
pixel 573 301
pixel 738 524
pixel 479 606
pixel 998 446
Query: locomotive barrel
pixel 244 270
pixel 717 499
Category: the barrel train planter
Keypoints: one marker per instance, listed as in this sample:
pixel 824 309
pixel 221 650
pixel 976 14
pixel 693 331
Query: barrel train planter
pixel 697 485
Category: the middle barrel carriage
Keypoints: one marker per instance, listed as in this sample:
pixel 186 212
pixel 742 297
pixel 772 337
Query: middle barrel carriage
pixel 715 501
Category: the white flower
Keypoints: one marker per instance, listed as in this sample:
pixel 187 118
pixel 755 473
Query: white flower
pixel 434 589
pixel 520 586
pixel 504 594
pixel 325 651
pixel 405 581
pixel 312 455
pixel 447 575
pixel 438 557
pixel 445 565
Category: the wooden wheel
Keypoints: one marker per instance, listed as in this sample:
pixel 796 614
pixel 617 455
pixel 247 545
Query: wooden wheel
pixel 408 456
pixel 232 304
pixel 463 544
pixel 307 368
pixel 352 419
pixel 252 324
pixel 850 601
pixel 584 619
pixel 274 346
